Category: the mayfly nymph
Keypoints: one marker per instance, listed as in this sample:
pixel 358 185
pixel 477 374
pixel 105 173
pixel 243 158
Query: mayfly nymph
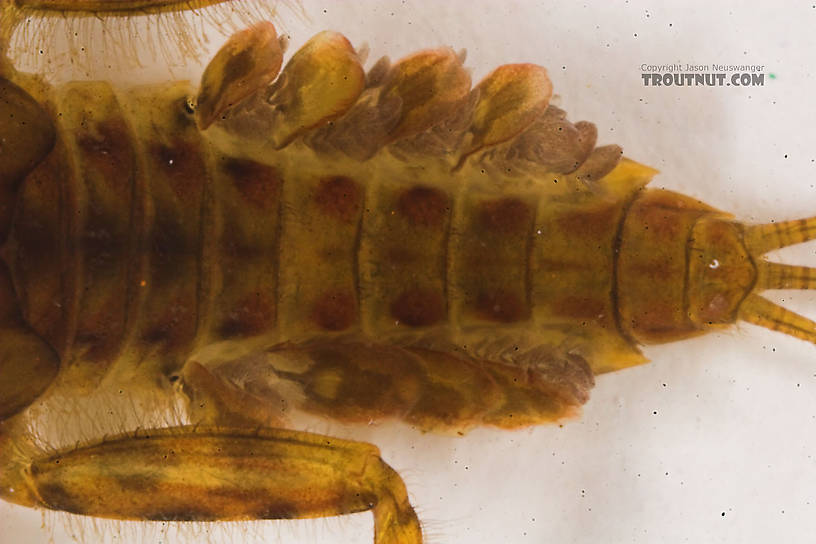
pixel 359 245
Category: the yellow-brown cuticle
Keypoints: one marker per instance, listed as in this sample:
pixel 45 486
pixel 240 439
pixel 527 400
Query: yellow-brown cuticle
pixel 652 266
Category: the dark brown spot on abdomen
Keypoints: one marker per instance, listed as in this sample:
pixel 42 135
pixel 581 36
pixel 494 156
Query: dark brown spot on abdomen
pixel 424 207
pixel 258 184
pixel 339 197
pixel 182 166
pixel 335 310
pixel 419 307
pixel 506 216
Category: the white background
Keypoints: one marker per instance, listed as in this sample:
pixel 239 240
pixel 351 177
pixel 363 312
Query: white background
pixel 715 440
